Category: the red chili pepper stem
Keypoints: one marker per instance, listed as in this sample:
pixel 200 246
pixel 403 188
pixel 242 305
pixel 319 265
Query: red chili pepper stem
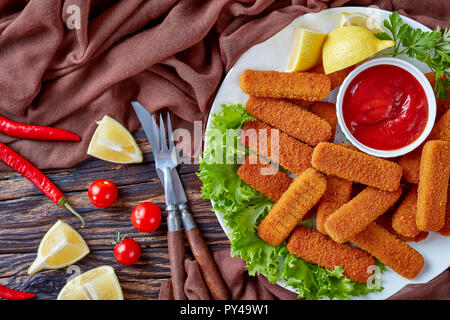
pixel 10 294
pixel 37 177
pixel 63 203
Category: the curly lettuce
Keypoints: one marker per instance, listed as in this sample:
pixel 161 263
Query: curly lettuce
pixel 243 208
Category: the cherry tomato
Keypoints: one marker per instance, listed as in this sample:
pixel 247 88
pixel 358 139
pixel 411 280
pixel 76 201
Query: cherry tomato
pixel 102 193
pixel 127 251
pixel 146 217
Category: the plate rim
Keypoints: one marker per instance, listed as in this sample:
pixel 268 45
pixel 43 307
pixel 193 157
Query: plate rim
pixel 215 108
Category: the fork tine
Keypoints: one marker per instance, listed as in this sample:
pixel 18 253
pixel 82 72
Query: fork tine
pixel 162 131
pixel 169 132
pixel 155 135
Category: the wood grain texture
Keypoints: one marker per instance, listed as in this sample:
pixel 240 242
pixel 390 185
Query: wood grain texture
pixel 26 215
pixel 177 255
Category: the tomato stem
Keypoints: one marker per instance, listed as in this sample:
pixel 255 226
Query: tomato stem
pixel 119 238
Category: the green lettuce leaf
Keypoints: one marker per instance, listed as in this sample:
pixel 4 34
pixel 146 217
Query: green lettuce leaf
pixel 243 208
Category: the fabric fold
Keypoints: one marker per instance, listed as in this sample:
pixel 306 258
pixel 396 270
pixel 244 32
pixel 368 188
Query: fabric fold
pixel 167 54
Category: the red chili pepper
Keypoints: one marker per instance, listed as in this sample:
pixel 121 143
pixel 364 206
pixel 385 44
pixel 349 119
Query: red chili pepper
pixel 29 171
pixel 26 131
pixel 10 294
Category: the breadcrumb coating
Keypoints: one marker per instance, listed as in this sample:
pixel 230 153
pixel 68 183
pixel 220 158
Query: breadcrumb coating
pixel 356 166
pixel 337 194
pixel 272 186
pixel 354 216
pixel 390 250
pixel 299 102
pixel 385 220
pixel 445 231
pixel 303 193
pixel 433 184
pixel 317 248
pixel 441 130
pixel 292 154
pixel 291 85
pixel 289 118
pixel 404 218
pixel 336 77
pixel 411 161
pixel 326 111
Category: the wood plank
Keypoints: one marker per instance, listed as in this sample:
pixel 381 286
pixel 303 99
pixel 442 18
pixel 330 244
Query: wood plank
pixel 14 186
pixel 27 214
pixel 24 221
pixel 140 281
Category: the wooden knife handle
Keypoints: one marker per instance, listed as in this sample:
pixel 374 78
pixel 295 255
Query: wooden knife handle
pixel 207 265
pixel 176 258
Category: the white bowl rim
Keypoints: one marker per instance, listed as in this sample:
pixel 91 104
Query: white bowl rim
pixel 431 100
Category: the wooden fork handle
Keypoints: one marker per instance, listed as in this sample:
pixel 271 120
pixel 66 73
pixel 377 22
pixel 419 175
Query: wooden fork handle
pixel 207 265
pixel 176 258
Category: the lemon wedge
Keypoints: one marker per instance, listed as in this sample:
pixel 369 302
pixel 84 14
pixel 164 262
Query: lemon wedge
pixel 360 20
pixel 306 50
pixel 61 246
pixel 346 46
pixel 112 142
pixel 100 283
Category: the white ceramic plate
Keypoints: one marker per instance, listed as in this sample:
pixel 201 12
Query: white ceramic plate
pixel 273 54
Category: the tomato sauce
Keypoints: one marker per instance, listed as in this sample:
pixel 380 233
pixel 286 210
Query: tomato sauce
pixel 385 107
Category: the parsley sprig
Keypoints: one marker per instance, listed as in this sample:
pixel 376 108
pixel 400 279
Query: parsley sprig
pixel 430 47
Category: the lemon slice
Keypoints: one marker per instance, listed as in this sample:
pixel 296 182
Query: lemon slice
pixel 306 50
pixel 347 46
pixel 100 283
pixel 61 246
pixel 112 142
pixel 360 20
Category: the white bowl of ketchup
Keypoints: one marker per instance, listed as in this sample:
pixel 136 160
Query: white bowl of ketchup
pixel 386 107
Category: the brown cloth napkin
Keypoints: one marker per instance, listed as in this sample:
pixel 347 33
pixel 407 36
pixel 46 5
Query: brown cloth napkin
pixel 166 54
pixel 243 287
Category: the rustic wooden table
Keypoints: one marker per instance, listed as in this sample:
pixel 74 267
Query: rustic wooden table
pixel 27 214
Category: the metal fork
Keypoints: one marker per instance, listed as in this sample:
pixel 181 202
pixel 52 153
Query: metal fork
pixel 166 161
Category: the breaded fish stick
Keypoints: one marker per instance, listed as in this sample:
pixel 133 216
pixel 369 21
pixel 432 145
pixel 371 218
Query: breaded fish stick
pixel 336 77
pixel 391 251
pixel 292 154
pixel 337 194
pixel 303 193
pixel 326 111
pixel 385 221
pixel 317 248
pixel 356 166
pixel 292 120
pixel 404 218
pixel 433 184
pixel 354 216
pixel 272 186
pixel 445 231
pixel 441 130
pixel 291 85
pixel 411 161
